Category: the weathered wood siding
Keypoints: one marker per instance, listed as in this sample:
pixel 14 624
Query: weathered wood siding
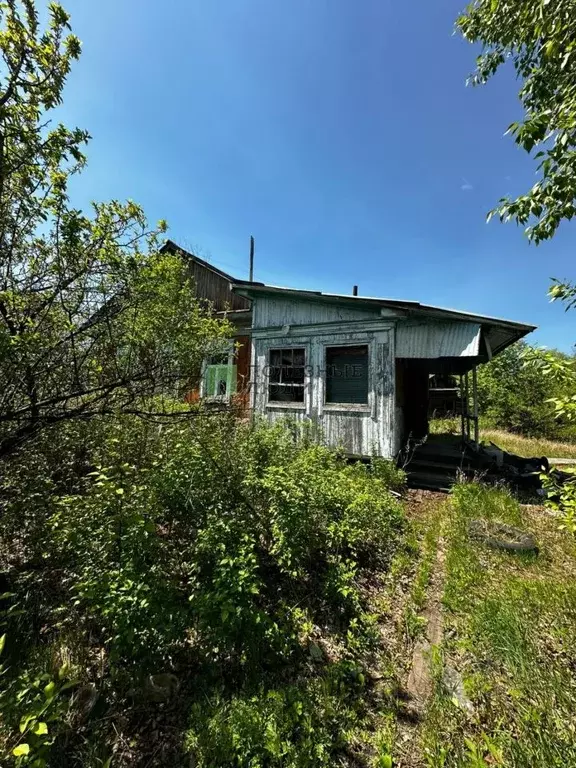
pixel 213 287
pixel 361 430
pixel 212 284
pixel 271 311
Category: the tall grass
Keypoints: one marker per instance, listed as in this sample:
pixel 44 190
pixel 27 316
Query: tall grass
pixel 510 633
pixel 510 442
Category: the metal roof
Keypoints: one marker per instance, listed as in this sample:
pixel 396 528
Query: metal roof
pixel 502 332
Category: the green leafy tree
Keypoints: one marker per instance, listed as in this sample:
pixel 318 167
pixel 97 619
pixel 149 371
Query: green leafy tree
pixel 515 395
pixel 538 37
pixel 93 319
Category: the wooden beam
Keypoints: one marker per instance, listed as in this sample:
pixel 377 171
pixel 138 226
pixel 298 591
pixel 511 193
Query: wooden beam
pixel 475 401
pixel 462 408
pixel 467 404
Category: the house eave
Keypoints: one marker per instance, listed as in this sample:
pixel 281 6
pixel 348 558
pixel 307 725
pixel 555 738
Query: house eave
pixel 514 331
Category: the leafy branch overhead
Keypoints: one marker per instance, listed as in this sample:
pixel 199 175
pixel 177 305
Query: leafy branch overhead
pixel 93 319
pixel 539 38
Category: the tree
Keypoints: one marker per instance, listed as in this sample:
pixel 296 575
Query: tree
pixel 516 396
pixel 93 319
pixel 539 38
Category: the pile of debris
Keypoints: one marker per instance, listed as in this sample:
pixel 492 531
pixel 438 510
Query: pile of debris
pixel 515 470
pixel 437 461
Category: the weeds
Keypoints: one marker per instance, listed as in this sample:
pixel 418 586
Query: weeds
pixel 510 632
pixel 510 441
pixel 234 551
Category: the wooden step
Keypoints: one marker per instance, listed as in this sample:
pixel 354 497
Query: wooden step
pixel 418 463
pixel 431 481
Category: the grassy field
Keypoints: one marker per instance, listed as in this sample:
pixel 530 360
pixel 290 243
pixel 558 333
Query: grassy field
pixel 518 444
pixel 530 446
pixel 508 638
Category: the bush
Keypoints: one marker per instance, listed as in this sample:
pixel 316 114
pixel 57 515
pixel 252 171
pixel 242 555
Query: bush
pixel 298 726
pixel 232 549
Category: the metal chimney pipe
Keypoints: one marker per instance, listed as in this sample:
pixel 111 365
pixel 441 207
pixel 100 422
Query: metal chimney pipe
pixel 355 290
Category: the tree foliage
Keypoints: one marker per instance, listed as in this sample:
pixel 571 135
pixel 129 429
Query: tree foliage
pixel 539 38
pixel 92 317
pixel 517 390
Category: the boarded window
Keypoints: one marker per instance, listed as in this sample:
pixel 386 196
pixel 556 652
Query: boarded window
pixel 347 375
pixel 286 375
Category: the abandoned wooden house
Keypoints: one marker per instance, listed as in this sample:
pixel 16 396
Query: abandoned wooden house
pixel 358 367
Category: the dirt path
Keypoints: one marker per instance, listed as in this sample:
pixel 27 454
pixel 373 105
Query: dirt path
pixel 419 684
pixel 422 509
pixel 510 621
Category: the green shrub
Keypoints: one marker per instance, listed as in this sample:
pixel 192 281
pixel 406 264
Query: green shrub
pixel 220 546
pixel 392 476
pixel 562 497
pixel 36 708
pixel 297 726
pixel 303 523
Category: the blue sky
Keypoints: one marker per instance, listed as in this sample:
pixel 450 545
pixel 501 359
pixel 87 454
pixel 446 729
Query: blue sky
pixel 340 133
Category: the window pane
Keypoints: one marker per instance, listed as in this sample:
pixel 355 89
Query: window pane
pixel 219 380
pixel 286 375
pixel 299 357
pixel 276 357
pixel 285 393
pixel 347 374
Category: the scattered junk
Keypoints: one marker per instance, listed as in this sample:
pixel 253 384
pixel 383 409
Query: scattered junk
pixel 454 687
pixel 501 536
pixel 157 688
pixel 437 461
pixel 83 701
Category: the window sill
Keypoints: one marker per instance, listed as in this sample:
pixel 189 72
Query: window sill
pixel 348 407
pixel 287 406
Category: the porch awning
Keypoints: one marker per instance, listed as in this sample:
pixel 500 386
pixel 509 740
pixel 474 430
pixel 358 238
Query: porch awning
pixel 438 340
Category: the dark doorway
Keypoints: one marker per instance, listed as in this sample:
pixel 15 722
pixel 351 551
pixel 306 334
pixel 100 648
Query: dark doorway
pixel 412 396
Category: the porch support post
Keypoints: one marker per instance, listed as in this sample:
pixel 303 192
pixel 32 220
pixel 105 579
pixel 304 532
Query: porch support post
pixel 467 389
pixel 462 409
pixel 475 400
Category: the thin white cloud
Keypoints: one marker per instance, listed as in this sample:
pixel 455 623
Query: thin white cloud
pixel 466 186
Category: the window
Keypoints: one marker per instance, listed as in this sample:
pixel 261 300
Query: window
pixel 286 375
pixel 347 375
pixel 220 375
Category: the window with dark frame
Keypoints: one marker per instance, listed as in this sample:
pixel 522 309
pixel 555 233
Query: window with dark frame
pixel 347 374
pixel 286 375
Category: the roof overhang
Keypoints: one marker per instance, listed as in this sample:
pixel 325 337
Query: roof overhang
pixel 497 333
pixel 169 246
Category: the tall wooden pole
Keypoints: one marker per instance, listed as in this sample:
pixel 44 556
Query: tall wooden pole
pixel 251 277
